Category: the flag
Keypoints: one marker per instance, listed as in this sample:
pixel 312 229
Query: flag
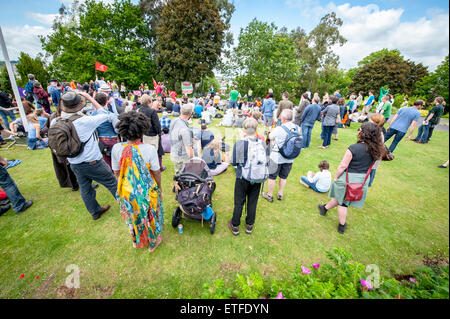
pixel 154 83
pixel 100 67
pixel 22 92
pixel 173 94
pixel 383 92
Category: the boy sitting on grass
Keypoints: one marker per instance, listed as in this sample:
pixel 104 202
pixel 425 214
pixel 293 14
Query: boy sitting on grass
pixel 319 182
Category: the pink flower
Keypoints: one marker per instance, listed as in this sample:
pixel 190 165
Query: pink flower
pixel 280 296
pixel 305 270
pixel 365 284
pixel 316 266
pixel 413 280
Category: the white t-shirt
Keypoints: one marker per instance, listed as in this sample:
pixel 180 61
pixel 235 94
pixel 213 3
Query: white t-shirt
pixel 279 136
pixel 148 152
pixel 322 180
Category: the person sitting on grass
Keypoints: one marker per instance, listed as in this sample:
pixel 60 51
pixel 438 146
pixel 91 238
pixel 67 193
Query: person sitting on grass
pixel 165 140
pixel 319 182
pixel 213 158
pixel 136 167
pixel 239 120
pixel 355 166
pixel 227 120
pixel 34 139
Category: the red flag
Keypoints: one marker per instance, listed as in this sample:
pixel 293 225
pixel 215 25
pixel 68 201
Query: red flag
pixel 100 67
pixel 173 94
pixel 154 83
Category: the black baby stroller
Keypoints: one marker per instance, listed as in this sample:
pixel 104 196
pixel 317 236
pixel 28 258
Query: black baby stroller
pixel 195 189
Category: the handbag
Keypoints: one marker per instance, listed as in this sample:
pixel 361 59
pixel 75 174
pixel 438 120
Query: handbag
pixel 355 192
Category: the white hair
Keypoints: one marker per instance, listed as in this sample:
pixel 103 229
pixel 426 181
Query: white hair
pixel 287 114
pixel 187 109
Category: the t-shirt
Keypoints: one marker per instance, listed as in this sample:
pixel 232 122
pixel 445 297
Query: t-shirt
pixel 405 117
pixel 331 112
pixel 239 122
pixel 180 138
pixel 42 121
pixel 234 95
pixel 278 135
pixel 216 99
pixel 361 160
pixel 386 110
pixel 206 137
pixel 437 110
pixel 322 180
pixel 212 158
pixel 176 108
pixel 148 153
pixel 198 109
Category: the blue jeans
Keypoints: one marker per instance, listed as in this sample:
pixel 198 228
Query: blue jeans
pixel 327 132
pixel 423 134
pixel 5 115
pixel 321 126
pixel 311 185
pixel 372 176
pixel 232 105
pixel 398 137
pixel 306 132
pixel 10 188
pixel 99 172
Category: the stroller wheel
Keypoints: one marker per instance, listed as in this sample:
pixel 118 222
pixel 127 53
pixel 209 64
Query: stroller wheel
pixel 213 223
pixel 176 217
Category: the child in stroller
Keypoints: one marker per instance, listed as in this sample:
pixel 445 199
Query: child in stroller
pixel 194 189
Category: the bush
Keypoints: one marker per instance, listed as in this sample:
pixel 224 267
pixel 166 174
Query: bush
pixel 343 279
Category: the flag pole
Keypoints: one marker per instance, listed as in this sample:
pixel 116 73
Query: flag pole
pixel 12 79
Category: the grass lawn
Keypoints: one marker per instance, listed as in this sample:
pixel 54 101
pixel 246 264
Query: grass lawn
pixel 406 213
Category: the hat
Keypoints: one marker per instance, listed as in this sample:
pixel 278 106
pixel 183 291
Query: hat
pixel 239 113
pixel 105 88
pixel 71 102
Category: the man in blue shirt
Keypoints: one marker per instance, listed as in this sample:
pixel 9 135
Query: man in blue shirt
pixel 89 165
pixel 309 117
pixel 369 103
pixel 405 118
pixel 164 120
pixel 267 109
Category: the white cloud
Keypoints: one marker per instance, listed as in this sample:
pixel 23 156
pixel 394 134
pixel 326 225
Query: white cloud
pixel 369 28
pixel 24 39
pixel 46 19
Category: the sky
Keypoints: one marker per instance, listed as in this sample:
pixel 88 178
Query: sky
pixel 418 28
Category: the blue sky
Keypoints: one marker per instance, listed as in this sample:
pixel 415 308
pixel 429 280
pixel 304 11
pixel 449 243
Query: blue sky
pixel 418 28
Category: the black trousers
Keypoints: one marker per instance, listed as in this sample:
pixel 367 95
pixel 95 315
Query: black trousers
pixel 244 191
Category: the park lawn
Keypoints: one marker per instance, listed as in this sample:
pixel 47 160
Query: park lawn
pixel 406 213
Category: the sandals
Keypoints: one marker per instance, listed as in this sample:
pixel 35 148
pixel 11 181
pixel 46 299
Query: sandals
pixel 279 197
pixel 267 197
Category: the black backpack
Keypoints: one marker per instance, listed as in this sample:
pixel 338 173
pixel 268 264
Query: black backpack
pixel 63 138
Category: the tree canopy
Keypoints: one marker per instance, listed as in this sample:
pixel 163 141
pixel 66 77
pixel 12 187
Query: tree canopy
pixel 435 84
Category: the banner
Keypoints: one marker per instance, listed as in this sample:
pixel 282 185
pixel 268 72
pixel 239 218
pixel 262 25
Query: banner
pixel 100 67
pixel 137 93
pixel 186 88
pixel 154 83
pixel 383 92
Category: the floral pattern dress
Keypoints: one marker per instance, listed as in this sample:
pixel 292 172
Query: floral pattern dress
pixel 139 198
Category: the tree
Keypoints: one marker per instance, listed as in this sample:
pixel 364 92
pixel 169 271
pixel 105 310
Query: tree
pixel 390 70
pixel 331 79
pixel 315 49
pixel 4 80
pixel 265 58
pixel 113 34
pixel 189 40
pixel 435 84
pixel 36 66
pixel 378 55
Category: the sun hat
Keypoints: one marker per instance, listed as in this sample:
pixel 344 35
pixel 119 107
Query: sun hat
pixel 239 113
pixel 72 102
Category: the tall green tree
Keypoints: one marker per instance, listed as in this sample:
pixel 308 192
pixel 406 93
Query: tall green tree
pixel 113 34
pixel 436 84
pixel 378 55
pixel 28 65
pixel 189 40
pixel 4 80
pixel 330 79
pixel 315 49
pixel 391 71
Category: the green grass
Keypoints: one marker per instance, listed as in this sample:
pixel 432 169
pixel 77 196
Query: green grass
pixel 406 213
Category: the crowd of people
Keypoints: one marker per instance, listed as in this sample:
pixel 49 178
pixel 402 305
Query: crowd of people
pixel 102 133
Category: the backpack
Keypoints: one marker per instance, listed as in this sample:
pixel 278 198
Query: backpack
pixel 63 138
pixel 255 169
pixel 194 200
pixel 292 145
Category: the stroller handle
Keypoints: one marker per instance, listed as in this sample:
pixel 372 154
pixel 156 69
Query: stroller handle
pixel 192 175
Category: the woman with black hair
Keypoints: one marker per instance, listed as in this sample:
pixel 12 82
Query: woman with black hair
pixel 355 166
pixel 139 189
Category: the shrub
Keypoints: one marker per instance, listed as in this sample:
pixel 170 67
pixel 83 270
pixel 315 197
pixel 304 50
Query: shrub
pixel 343 279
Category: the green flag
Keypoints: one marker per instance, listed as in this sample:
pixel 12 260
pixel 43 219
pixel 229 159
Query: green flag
pixel 383 92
